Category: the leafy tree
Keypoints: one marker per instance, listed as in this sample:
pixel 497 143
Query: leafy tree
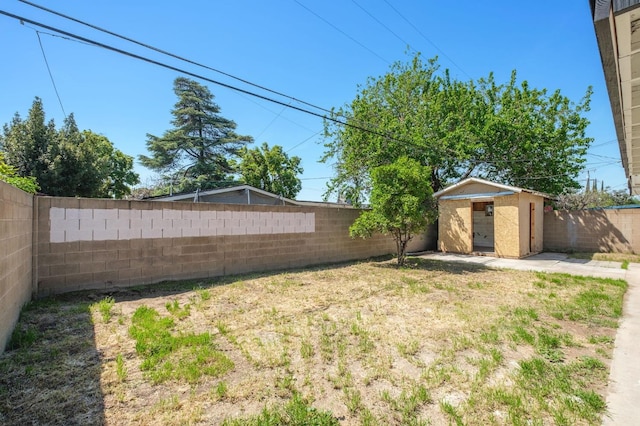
pixel 8 174
pixel 271 169
pixel 402 204
pixel 509 133
pixel 197 151
pixel 66 162
pixel 591 199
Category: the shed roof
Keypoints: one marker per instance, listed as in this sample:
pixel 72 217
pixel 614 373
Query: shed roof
pixel 499 190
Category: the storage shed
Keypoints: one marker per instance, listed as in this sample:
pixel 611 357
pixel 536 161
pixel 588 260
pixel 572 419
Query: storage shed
pixel 479 216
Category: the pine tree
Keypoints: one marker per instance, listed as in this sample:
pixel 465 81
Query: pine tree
pixel 198 150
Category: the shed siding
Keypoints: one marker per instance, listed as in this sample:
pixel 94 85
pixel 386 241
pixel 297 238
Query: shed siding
pixel 506 219
pixel 454 229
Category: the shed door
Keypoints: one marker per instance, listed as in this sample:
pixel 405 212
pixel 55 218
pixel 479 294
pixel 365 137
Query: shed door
pixel 532 227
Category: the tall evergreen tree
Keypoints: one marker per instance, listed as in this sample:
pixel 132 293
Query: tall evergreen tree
pixel 197 151
pixel 66 162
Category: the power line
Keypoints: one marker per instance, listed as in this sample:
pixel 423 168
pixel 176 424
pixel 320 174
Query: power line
pixel 175 56
pixel 199 76
pixel 53 82
pixel 383 25
pixel 426 38
pixel 304 141
pixel 342 32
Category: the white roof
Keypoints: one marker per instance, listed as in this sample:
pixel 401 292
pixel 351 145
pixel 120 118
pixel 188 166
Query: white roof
pixel 505 189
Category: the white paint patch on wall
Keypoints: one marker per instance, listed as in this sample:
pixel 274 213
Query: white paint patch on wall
pixel 68 225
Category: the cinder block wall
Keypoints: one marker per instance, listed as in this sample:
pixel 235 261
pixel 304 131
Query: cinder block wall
pixel 606 230
pixel 16 239
pixel 99 244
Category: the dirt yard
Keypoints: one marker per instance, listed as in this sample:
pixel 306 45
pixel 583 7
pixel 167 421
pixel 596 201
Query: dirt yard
pixel 364 343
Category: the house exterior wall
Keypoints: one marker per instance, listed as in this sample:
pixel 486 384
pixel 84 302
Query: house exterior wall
pixel 16 243
pixel 455 226
pixel 507 225
pixel 100 244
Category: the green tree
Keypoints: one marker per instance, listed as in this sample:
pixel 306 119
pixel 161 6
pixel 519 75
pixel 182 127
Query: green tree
pixel 9 175
pixel 66 162
pixel 271 169
pixel 590 199
pixel 508 133
pixel 198 150
pixel 402 204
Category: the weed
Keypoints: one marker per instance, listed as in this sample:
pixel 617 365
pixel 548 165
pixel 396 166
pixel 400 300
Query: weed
pixel 121 370
pixel 598 339
pixel 22 338
pixel 167 356
pixel 104 308
pixel 409 349
pixel 306 349
pixel 452 412
pixel 178 312
pixel 298 411
pixel 221 389
pixel 625 264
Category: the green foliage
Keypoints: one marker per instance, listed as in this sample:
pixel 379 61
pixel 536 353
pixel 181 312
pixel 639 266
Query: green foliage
pixel 104 307
pixel 196 152
pixel 402 204
pixel 22 337
pixel 510 133
pixel 581 200
pixel 185 356
pixel 8 174
pixel 271 169
pixel 66 162
pixel 297 412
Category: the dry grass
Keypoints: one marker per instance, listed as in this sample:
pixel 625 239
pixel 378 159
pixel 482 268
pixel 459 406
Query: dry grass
pixel 433 343
pixel 612 257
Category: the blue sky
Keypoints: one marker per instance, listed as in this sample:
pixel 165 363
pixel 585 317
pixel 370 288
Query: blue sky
pixel 314 51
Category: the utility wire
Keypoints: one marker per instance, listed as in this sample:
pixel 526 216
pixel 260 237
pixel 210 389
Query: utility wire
pixel 342 32
pixel 50 74
pixel 383 25
pixel 426 38
pixel 247 92
pixel 183 71
pixel 164 52
pixel 304 141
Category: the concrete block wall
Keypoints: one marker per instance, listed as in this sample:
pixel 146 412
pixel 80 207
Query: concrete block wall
pixel 99 244
pixel 16 256
pixel 604 230
pixel 483 229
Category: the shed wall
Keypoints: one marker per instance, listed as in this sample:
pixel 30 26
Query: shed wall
pixel 455 226
pixel 507 226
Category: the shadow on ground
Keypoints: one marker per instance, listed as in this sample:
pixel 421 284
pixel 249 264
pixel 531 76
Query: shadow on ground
pixel 50 371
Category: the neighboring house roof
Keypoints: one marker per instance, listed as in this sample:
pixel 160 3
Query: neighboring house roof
pixel 243 194
pixel 489 189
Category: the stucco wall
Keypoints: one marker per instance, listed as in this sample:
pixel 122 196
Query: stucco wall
pixel 454 226
pixel 99 244
pixel 16 237
pixel 610 230
pixel 507 226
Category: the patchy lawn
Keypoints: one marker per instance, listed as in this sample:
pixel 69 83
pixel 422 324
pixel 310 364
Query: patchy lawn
pixel 366 343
